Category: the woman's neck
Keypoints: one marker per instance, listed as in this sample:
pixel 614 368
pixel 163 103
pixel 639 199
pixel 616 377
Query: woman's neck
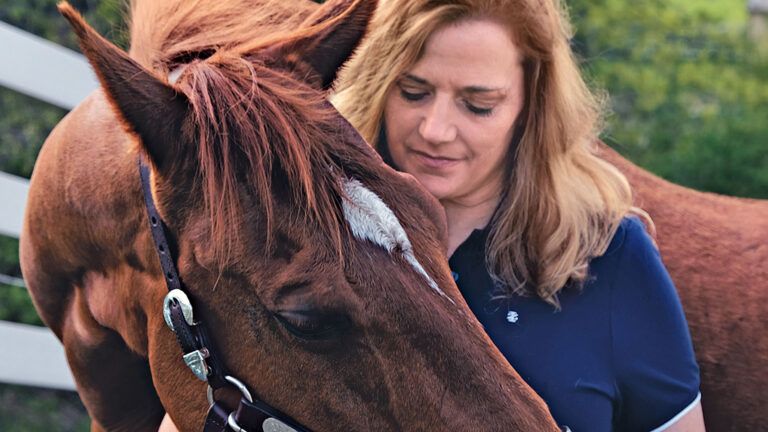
pixel 465 216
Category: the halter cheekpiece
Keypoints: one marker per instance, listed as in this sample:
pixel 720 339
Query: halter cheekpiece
pixel 200 354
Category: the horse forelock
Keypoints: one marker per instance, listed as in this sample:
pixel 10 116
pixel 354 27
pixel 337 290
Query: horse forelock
pixel 251 120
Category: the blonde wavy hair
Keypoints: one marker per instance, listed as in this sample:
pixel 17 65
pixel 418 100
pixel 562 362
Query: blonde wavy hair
pixel 562 203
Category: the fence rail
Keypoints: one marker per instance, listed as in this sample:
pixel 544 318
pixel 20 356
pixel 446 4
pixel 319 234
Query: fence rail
pixel 57 75
pixel 12 281
pixel 13 194
pixel 33 356
pixel 42 69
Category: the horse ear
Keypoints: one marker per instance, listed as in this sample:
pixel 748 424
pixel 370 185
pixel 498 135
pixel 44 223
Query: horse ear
pixel 341 24
pixel 152 109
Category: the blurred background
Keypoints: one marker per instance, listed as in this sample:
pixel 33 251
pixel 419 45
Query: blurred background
pixel 688 87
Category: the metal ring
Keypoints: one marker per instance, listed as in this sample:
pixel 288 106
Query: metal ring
pixel 240 386
pixel 232 423
pixel 235 382
pixel 209 395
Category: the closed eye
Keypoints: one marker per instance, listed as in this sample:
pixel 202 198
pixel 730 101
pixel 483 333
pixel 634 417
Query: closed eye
pixel 412 96
pixel 474 109
pixel 417 96
pixel 311 325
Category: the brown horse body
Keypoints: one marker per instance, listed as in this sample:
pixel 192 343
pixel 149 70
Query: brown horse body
pixel 248 164
pixel 716 250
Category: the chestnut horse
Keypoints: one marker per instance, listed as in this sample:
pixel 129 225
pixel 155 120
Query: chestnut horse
pixel 319 272
pixel 716 250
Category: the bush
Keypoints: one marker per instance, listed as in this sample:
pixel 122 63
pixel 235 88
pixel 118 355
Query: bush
pixel 689 93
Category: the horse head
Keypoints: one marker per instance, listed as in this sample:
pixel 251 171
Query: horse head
pixel 319 272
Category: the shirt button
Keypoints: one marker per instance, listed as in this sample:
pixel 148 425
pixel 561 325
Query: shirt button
pixel 512 316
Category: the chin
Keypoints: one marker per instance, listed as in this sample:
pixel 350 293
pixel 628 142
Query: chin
pixel 435 189
pixel 438 186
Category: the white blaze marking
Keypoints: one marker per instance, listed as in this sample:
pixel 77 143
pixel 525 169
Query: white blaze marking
pixel 370 219
pixel 174 75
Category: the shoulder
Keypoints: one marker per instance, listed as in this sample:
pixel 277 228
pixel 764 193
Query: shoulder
pixel 631 262
pixel 654 362
pixel 640 283
pixel 630 237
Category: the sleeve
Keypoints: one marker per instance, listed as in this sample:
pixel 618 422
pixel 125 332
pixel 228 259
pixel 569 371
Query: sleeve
pixel 657 377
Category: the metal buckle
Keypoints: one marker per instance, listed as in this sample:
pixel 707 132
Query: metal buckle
pixel 270 424
pixel 186 307
pixel 196 362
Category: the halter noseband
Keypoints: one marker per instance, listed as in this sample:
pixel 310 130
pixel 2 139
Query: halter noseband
pixel 200 354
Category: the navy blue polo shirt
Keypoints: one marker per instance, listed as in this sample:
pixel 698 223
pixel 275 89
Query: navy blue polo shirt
pixel 616 357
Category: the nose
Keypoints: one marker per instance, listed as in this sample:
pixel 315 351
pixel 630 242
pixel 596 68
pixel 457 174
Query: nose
pixel 437 126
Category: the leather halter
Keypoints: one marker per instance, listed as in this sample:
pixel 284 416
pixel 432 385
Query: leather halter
pixel 200 353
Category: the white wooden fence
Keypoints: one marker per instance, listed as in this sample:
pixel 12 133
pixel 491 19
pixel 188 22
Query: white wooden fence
pixel 48 72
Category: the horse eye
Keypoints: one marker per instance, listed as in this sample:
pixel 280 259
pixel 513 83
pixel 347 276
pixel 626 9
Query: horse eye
pixel 311 325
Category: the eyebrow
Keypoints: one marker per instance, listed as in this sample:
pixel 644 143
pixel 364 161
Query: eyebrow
pixel 473 89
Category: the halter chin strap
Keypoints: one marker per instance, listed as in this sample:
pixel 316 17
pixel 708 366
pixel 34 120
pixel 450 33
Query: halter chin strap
pixel 200 354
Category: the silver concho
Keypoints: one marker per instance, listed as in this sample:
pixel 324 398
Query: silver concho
pixel 186 307
pixel 274 425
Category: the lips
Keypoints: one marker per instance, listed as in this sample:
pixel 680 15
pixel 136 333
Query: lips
pixel 433 161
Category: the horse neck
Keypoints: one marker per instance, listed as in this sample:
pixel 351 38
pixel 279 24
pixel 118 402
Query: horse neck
pixel 104 244
pixel 685 205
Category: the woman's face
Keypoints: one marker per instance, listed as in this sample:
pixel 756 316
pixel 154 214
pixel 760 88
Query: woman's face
pixel 450 118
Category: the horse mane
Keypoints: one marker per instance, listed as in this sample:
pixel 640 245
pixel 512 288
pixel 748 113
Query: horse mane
pixel 251 120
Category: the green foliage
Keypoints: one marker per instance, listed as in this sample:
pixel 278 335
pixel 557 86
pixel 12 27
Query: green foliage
pixel 689 93
pixel 16 306
pixel 25 122
pixel 9 264
pixel 25 409
pixel 40 17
